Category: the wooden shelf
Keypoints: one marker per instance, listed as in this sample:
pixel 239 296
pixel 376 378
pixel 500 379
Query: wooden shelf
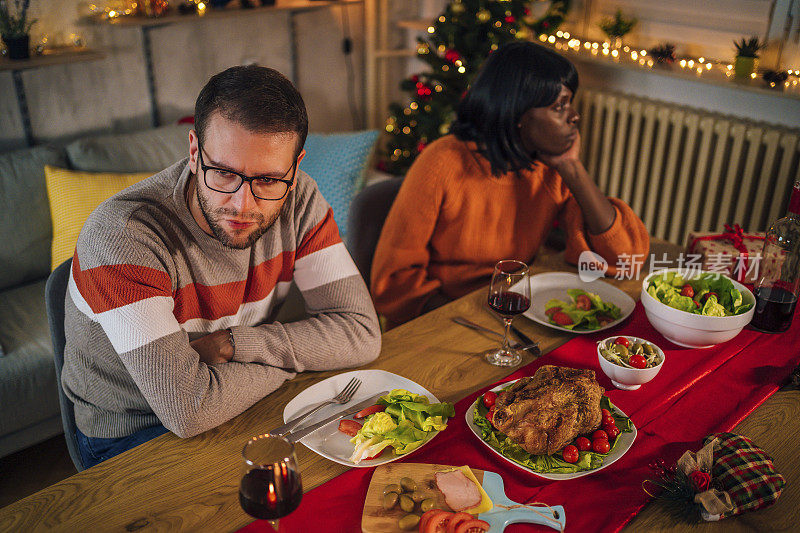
pixel 58 56
pixel 415 25
pixel 173 17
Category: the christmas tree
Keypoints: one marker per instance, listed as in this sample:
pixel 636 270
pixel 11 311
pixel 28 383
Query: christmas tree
pixel 458 42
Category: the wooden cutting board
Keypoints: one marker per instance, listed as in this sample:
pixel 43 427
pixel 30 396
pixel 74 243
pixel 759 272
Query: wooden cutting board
pixel 378 520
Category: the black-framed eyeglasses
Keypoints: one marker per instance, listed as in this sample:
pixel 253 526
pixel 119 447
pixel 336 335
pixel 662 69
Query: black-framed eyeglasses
pixel 228 181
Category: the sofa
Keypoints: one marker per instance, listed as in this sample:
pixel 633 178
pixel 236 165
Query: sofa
pixel 28 388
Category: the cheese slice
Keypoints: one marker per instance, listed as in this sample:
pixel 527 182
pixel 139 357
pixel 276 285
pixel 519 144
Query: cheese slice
pixel 485 503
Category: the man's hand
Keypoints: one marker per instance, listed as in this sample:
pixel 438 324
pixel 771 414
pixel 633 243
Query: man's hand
pixel 214 348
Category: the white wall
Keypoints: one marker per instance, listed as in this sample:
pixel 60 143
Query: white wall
pixel 111 94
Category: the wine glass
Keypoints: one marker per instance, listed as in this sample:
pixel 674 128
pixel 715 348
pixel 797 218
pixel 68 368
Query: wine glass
pixel 509 295
pixel 270 487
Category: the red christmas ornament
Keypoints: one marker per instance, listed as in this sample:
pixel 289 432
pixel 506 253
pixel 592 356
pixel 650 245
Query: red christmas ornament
pixel 452 56
pixel 510 19
pixel 545 25
pixel 415 79
pixel 421 146
pixel 700 480
pixel 527 12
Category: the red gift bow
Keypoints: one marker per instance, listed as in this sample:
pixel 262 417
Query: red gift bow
pixel 736 236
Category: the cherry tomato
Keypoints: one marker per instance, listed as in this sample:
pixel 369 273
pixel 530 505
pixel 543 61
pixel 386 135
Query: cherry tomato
pixel 490 415
pixel 456 520
pixel 424 522
pixel 553 310
pixel 600 446
pixel 583 444
pixel 613 432
pixel 608 420
pixel 376 455
pixel 599 434
pixel 687 290
pixel 473 526
pixel 562 319
pixel 583 302
pixel 489 398
pixel 349 427
pixel 570 453
pixel 605 412
pixel 623 341
pixel 370 411
pixel 637 361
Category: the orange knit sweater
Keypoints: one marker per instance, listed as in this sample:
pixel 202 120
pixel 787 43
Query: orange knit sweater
pixel 452 221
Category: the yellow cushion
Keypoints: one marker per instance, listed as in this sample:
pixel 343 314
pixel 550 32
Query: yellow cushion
pixel 73 195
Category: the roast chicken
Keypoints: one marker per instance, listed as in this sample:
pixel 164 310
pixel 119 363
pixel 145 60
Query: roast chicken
pixel 543 413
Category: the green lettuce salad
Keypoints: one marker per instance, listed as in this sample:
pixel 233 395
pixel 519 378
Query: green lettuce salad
pixel 708 294
pixel 547 464
pixel 407 423
pixel 586 311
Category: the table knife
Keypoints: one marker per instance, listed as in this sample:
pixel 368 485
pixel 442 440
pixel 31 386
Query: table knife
pixel 519 346
pixel 514 329
pixel 297 434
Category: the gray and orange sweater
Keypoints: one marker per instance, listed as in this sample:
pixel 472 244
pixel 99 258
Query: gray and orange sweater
pixel 146 280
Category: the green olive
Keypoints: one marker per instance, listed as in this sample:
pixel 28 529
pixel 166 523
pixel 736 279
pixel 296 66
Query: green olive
pixel 408 484
pixel 621 350
pixel 390 500
pixel 427 504
pixel 394 487
pixel 637 348
pixel 408 522
pixel 406 503
pixel 418 496
pixel 648 349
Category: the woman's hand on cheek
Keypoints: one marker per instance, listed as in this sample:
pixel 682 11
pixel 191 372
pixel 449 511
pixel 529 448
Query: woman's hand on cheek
pixel 572 154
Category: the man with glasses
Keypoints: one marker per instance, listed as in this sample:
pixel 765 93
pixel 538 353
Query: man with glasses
pixel 176 280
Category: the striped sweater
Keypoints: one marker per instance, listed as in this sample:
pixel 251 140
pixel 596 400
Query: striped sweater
pixel 146 280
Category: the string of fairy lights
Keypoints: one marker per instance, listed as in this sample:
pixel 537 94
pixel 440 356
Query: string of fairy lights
pixel 699 66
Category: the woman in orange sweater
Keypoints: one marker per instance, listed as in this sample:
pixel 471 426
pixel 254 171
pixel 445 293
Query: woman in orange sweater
pixel 492 189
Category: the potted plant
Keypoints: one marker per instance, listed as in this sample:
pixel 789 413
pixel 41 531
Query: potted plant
pixel 617 27
pixel 15 28
pixel 746 57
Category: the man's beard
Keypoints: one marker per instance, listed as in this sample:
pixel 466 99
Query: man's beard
pixel 213 217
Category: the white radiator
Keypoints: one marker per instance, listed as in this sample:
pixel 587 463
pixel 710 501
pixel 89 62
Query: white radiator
pixel 682 169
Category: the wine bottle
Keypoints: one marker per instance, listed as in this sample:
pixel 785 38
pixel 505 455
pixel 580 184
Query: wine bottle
pixel 778 285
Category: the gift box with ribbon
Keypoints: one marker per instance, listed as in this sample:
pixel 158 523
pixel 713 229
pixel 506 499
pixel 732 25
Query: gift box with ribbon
pixel 733 252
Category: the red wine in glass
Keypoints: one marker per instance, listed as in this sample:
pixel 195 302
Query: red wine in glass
pixel 270 486
pixel 270 492
pixel 774 309
pixel 509 304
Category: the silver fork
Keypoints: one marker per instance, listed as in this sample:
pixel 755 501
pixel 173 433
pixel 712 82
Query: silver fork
pixel 343 397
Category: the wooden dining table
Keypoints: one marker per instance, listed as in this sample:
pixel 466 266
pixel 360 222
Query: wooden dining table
pixel 173 484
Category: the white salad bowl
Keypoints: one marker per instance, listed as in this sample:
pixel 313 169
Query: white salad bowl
pixel 690 330
pixel 628 378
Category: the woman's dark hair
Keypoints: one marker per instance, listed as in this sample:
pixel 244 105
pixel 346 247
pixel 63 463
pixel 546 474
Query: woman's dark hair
pixel 260 99
pixel 514 78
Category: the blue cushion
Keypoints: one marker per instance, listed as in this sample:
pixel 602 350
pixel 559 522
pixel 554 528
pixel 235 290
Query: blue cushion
pixel 337 163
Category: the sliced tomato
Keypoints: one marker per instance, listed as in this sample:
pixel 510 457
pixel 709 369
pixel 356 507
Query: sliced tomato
pixel 553 310
pixel 458 519
pixel 583 302
pixel 426 517
pixel 561 318
pixel 473 526
pixel 687 290
pixel 371 410
pixel 349 427
pixel 437 523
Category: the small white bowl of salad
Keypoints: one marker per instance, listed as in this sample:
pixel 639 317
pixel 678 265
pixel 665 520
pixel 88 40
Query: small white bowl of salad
pixel 628 361
pixel 696 309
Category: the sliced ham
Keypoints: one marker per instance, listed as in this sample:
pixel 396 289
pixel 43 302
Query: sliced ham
pixel 460 492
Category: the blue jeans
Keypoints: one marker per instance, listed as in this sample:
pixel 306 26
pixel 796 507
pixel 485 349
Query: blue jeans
pixel 95 450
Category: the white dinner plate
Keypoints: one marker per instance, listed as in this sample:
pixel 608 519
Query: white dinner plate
pixel 328 441
pixel 625 442
pixel 545 287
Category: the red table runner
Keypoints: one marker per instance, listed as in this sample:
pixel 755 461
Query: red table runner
pixel 697 392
